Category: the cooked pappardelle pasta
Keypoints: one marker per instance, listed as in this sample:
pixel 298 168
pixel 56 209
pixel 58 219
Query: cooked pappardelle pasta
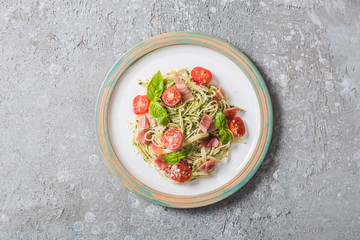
pixel 184 125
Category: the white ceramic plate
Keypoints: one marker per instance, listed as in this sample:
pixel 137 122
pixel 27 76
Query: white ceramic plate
pixel 231 70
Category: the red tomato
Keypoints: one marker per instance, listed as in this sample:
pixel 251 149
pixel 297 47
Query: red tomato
pixel 141 104
pixel 237 127
pixel 171 96
pixel 201 76
pixel 172 139
pixel 180 172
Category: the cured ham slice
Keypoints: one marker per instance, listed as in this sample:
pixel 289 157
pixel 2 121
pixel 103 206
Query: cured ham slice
pixel 184 91
pixel 161 164
pixel 230 113
pixel 219 94
pixel 206 123
pixel 208 166
pixel 142 136
pixel 157 150
pixel 143 122
pixel 212 127
pixel 211 141
pixel 151 120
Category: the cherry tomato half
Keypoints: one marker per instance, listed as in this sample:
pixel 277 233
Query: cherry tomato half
pixel 172 139
pixel 201 76
pixel 171 96
pixel 180 172
pixel 141 104
pixel 237 127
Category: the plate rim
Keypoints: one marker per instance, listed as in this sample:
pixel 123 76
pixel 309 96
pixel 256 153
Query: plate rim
pixel 183 38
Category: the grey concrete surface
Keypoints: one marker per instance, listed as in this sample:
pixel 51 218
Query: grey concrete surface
pixel 54 56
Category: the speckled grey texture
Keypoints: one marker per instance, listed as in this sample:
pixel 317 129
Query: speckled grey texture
pixel 54 57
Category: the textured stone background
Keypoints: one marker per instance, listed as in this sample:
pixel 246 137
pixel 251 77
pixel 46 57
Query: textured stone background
pixel 54 56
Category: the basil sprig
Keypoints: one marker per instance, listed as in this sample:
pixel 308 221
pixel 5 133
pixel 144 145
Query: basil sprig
pixel 220 123
pixel 154 91
pixel 220 120
pixel 224 136
pixel 174 158
pixel 155 87
pixel 158 112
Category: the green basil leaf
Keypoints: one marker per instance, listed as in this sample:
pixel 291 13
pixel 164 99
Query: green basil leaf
pixel 174 158
pixel 224 136
pixel 158 112
pixel 155 87
pixel 220 120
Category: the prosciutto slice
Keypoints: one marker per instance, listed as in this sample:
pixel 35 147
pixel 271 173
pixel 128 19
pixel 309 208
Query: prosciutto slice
pixel 230 113
pixel 210 141
pixel 184 91
pixel 151 120
pixel 143 122
pixel 142 135
pixel 212 127
pixel 161 164
pixel 157 150
pixel 219 94
pixel 208 166
pixel 205 123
